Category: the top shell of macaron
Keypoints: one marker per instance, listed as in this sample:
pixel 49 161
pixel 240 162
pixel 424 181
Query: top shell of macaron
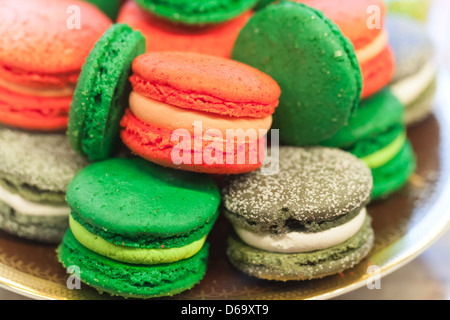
pixel 353 17
pixel 205 83
pixel 312 185
pixel 48 36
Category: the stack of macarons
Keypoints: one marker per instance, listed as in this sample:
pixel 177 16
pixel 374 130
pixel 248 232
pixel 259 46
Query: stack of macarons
pixel 42 49
pixel 188 25
pixel 305 222
pixel 199 112
pixel 137 229
pixel 414 82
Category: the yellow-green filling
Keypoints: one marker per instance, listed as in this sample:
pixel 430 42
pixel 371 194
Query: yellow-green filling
pixel 383 156
pixel 132 255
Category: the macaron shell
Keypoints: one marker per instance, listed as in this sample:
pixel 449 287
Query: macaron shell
pixel 133 281
pixel 216 40
pixel 205 83
pixel 36 36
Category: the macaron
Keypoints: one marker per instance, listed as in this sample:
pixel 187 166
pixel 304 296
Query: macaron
pixel 44 44
pixel 316 69
pixel 416 9
pixel 109 7
pixel 198 112
pixel 415 79
pixel 362 22
pixel 162 35
pixel 102 91
pixel 203 12
pixel 376 134
pixel 307 221
pixel 137 229
pixel 35 171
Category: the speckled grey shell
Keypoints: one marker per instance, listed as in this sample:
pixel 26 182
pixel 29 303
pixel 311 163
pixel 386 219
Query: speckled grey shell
pixel 313 184
pixel 44 161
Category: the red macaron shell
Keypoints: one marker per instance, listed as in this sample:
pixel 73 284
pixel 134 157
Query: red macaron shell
pixel 33 113
pixel 156 145
pixel 205 83
pixel 43 37
pixel 161 35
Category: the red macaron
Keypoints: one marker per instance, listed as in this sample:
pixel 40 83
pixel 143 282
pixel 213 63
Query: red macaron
pixel 44 44
pixel 163 35
pixel 362 22
pixel 198 112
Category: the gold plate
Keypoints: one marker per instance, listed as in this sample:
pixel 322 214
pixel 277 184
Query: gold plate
pixel 405 225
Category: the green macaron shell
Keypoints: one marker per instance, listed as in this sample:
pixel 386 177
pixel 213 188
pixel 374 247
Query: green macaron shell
pixel 37 166
pixel 109 7
pixel 301 266
pixel 313 63
pixel 197 12
pixel 394 174
pixel 127 280
pixel 48 229
pixel 101 93
pixel 135 203
pixel 312 185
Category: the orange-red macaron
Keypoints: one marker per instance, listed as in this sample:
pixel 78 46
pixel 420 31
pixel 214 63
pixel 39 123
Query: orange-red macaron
pixel 162 35
pixel 199 112
pixel 362 22
pixel 43 45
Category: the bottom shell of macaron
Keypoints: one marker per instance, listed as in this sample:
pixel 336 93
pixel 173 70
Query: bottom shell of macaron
pixel 301 266
pixel 129 280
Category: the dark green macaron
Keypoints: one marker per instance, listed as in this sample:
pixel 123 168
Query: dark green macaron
pixel 102 91
pixel 376 134
pixel 309 214
pixel 197 12
pixel 35 171
pixel 313 63
pixel 109 7
pixel 135 216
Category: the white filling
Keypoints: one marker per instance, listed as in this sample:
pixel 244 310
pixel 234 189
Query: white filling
pixel 409 89
pixel 26 207
pixel 296 242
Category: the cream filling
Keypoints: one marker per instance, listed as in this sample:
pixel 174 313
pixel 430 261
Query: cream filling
pixel 166 116
pixel 296 242
pixel 30 208
pixel 39 92
pixel 374 48
pixel 409 89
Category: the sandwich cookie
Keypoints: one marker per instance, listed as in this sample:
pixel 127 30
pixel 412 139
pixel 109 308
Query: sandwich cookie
pixel 109 7
pixel 414 82
pixel 36 169
pixel 41 53
pixel 139 230
pixel 198 112
pixel 102 91
pixel 307 221
pixel 197 12
pixel 376 134
pixel 362 22
pixel 162 35
pixel 315 67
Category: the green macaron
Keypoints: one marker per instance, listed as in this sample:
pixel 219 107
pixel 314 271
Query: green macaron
pixel 109 7
pixel 313 63
pixel 132 220
pixel 197 12
pixel 376 134
pixel 101 94
pixel 35 171
pixel 306 221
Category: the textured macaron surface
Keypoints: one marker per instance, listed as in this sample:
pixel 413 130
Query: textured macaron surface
pixel 37 35
pixel 135 203
pixel 137 281
pixel 197 12
pixel 102 91
pixel 312 185
pixel 37 166
pixel 312 62
pixel 205 83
